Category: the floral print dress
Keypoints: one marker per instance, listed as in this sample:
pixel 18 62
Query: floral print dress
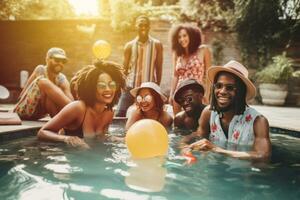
pixel 240 128
pixel 193 68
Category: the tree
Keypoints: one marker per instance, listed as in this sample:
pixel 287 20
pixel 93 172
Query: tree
pixel 35 9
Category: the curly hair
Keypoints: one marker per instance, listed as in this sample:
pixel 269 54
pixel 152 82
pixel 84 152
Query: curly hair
pixel 194 34
pixel 87 84
pixel 74 80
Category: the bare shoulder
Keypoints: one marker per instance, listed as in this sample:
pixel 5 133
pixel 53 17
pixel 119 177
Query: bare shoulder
pixel 76 108
pixel 179 118
pixel 261 126
pixel 129 44
pixel 206 112
pixel 167 118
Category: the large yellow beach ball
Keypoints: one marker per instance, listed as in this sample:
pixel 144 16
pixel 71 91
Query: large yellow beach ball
pixel 147 138
pixel 101 49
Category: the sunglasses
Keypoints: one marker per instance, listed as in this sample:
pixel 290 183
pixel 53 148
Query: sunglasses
pixel 228 87
pixel 148 98
pixel 111 85
pixel 60 60
pixel 187 99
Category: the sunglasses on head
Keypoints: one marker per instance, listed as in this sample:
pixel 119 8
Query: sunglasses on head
pixel 147 98
pixel 228 87
pixel 187 99
pixel 60 60
pixel 111 85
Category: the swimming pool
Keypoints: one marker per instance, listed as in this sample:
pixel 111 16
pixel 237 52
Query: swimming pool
pixel 33 170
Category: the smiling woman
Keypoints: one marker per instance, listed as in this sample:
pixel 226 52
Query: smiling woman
pixel 85 8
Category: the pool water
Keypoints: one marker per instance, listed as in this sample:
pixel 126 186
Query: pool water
pixel 33 170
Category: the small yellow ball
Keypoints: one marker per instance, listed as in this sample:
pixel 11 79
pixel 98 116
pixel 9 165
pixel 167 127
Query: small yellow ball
pixel 101 49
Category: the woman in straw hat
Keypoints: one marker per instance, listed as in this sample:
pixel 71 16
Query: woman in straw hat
pixel 149 105
pixel 229 118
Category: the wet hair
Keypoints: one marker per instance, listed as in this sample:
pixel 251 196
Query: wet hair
pixel 239 104
pixel 74 81
pixel 157 98
pixel 194 34
pixel 87 84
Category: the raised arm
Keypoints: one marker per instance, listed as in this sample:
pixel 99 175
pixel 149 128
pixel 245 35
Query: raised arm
pixel 159 62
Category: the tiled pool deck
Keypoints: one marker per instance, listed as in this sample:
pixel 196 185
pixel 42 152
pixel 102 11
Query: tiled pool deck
pixel 283 118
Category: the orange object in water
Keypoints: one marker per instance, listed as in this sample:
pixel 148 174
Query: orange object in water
pixel 190 158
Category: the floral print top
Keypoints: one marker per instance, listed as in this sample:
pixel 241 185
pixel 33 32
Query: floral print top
pixel 240 128
pixel 192 69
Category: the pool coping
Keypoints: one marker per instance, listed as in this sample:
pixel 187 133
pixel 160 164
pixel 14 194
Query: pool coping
pixel 30 128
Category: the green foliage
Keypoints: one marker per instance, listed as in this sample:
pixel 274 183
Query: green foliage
pixel 35 9
pixel 218 47
pixel 123 14
pixel 9 9
pixel 214 14
pixel 278 72
pixel 264 26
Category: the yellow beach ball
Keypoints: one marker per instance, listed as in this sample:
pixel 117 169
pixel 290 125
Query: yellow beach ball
pixel 101 49
pixel 147 138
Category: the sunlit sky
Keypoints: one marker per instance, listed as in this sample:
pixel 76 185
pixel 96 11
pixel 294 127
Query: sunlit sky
pixel 85 7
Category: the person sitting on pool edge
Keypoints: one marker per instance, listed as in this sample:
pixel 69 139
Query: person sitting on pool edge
pixel 228 119
pixel 99 90
pixel 47 90
pixel 149 104
pixel 189 95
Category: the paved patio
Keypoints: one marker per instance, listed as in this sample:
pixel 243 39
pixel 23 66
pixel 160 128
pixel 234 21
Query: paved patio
pixel 286 118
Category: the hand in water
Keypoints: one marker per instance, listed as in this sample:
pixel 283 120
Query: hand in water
pixel 202 145
pixel 75 141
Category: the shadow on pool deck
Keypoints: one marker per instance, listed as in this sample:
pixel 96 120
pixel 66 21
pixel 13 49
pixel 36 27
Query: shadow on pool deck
pixel 284 118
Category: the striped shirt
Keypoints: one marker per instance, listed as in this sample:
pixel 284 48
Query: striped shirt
pixel 142 62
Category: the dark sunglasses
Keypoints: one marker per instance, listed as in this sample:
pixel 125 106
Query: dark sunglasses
pixel 60 60
pixel 187 99
pixel 228 87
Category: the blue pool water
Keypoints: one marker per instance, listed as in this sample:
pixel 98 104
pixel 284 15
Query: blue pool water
pixel 33 170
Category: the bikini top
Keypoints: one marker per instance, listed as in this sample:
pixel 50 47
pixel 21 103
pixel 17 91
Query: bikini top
pixel 76 132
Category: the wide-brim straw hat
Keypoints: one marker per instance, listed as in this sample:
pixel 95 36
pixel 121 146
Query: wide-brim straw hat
pixel 237 69
pixel 149 85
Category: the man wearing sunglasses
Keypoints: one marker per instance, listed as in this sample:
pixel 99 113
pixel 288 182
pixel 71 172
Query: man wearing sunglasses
pixel 143 58
pixel 228 125
pixel 189 95
pixel 47 90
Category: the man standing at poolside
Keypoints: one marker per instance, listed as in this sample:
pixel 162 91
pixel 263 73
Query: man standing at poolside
pixel 229 120
pixel 47 90
pixel 189 95
pixel 143 58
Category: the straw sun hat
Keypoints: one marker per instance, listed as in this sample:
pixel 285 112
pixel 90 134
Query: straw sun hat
pixel 237 69
pixel 149 85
